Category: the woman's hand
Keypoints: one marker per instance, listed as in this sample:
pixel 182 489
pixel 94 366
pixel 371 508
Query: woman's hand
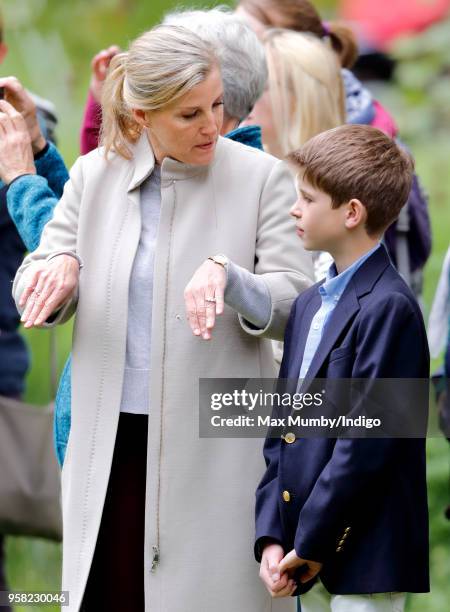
pixel 49 286
pixel 99 66
pixel 203 298
pixel 21 100
pixel 16 154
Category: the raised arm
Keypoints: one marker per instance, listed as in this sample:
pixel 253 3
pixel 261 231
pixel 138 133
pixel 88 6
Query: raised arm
pixel 31 169
pixel 92 120
pixel 283 269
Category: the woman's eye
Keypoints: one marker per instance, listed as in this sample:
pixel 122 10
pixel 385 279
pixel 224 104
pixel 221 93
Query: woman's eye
pixel 218 103
pixel 191 116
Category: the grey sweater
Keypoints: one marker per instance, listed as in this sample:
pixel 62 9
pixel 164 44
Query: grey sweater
pixel 247 293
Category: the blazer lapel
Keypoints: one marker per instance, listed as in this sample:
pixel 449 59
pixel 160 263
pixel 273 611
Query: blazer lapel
pixel 361 284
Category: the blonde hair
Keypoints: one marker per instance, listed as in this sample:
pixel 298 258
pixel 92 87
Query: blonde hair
pixel 159 68
pixel 306 89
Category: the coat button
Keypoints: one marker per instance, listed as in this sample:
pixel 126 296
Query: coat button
pixel 286 496
pixel 289 438
pixel 178 317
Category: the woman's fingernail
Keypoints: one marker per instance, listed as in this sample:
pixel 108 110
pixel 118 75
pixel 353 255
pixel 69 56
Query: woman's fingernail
pixel 275 577
pixel 196 332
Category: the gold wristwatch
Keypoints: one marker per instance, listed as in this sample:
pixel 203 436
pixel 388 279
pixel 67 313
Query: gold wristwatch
pixel 220 259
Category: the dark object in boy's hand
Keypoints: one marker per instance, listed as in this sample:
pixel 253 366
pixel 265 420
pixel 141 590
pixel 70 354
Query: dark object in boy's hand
pixel 303 587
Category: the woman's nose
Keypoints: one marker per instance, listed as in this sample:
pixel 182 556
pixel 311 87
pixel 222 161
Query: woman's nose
pixel 210 126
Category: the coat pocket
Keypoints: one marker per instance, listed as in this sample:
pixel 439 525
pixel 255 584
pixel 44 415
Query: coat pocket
pixel 341 352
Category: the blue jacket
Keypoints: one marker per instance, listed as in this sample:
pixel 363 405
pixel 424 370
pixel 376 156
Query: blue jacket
pixel 31 200
pixel 357 505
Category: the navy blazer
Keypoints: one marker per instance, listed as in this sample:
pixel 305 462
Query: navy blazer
pixel 359 506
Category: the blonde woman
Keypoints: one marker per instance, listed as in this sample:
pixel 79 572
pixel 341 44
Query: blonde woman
pixel 165 224
pixel 304 96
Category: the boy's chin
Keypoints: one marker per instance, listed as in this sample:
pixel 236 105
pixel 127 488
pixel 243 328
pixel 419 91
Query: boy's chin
pixel 310 245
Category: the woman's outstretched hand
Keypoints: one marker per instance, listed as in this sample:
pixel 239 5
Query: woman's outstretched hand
pixel 48 287
pixel 204 298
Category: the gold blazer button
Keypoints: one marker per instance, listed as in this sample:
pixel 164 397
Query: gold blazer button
pixel 289 438
pixel 286 496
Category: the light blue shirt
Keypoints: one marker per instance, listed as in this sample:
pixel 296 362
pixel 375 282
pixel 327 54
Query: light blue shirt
pixel 330 292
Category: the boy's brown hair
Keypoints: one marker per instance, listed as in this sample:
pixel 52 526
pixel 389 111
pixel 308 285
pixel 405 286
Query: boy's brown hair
pixel 358 161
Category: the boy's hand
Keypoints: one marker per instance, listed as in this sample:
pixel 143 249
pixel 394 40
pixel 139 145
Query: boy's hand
pixel 278 585
pixel 291 562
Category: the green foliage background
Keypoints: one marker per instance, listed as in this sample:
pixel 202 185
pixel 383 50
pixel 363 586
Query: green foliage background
pixel 51 43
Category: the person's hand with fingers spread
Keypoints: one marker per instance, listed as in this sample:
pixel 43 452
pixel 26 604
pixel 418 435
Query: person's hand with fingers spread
pixel 20 99
pixel 291 562
pixel 277 583
pixel 50 284
pixel 16 154
pixel 204 297
pixel 99 66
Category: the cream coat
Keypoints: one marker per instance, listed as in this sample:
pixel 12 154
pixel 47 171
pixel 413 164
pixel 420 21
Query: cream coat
pixel 200 492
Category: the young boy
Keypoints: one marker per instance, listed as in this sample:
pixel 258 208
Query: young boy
pixel 352 511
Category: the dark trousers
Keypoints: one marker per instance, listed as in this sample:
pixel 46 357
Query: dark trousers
pixel 116 577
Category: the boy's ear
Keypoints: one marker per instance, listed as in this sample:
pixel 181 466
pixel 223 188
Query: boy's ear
pixel 355 214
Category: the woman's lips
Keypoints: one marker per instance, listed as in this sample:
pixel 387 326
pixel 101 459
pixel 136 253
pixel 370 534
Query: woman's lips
pixel 300 232
pixel 206 147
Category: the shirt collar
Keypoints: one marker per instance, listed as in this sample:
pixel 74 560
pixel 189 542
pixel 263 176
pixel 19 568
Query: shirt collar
pixel 335 284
